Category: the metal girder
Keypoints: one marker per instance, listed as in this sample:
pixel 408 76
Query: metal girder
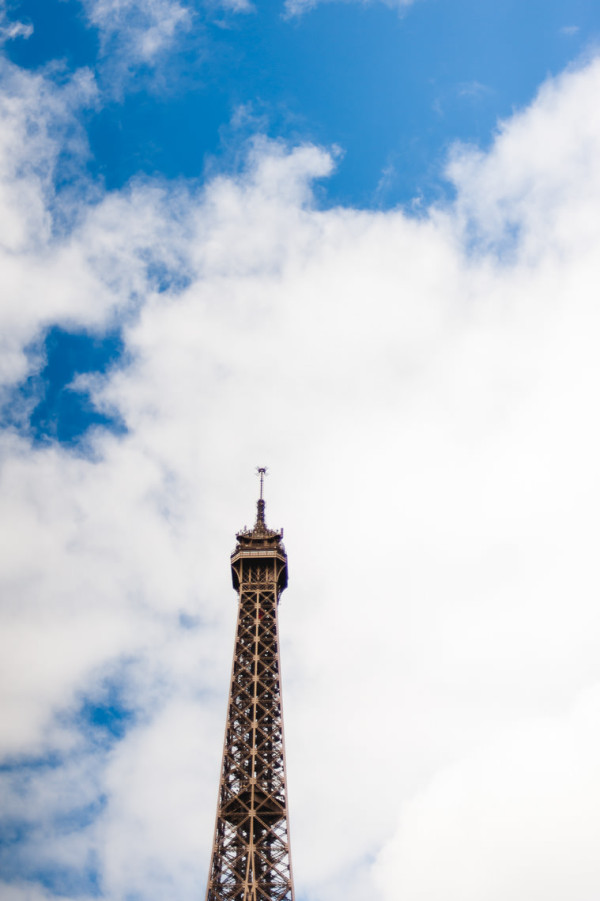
pixel 251 853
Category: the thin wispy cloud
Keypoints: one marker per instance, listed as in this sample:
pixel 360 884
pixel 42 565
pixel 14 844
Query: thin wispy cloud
pixel 140 41
pixel 11 29
pixel 143 29
pixel 473 89
pixel 300 7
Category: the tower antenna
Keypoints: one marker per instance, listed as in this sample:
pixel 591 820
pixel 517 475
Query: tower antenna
pixel 262 472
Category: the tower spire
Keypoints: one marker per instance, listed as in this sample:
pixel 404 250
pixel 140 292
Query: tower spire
pixel 262 471
pixel 251 852
pixel 260 504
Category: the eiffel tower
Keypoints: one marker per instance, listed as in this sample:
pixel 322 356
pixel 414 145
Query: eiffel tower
pixel 251 852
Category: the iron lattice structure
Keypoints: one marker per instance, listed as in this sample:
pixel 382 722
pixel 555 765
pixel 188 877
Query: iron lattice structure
pixel 251 852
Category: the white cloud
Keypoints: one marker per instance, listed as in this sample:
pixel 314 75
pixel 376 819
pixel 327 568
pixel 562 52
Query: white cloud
pixel 139 33
pixel 299 7
pixel 14 30
pixel 10 30
pixel 474 89
pixel 424 392
pixel 169 754
pixel 144 29
pixel 522 812
pixel 44 277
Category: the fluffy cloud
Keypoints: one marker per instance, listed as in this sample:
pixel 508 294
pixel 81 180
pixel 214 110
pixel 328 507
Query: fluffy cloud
pixel 522 811
pixel 43 275
pixel 424 391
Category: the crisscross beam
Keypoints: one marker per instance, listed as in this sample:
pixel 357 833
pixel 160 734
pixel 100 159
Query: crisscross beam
pixel 251 854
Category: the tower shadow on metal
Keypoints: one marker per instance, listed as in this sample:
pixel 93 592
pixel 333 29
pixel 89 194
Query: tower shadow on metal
pixel 251 853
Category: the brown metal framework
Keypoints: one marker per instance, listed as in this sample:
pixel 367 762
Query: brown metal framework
pixel 251 854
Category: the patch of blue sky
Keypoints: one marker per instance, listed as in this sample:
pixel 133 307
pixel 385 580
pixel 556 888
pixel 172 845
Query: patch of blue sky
pixel 163 277
pixel 393 91
pixel 17 832
pixel 188 622
pixel 100 720
pixel 24 764
pixel 80 817
pixel 106 720
pixel 504 245
pixel 60 35
pixel 65 881
pixel 103 715
pixel 20 838
pixel 13 832
pixel 46 406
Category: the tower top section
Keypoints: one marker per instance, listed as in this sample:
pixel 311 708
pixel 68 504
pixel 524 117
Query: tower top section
pixel 260 542
pixel 260 535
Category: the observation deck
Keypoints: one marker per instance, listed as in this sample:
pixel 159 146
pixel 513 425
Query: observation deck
pixel 255 546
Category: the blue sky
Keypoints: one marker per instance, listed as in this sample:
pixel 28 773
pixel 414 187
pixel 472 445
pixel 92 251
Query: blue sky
pixel 357 242
pixel 391 88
